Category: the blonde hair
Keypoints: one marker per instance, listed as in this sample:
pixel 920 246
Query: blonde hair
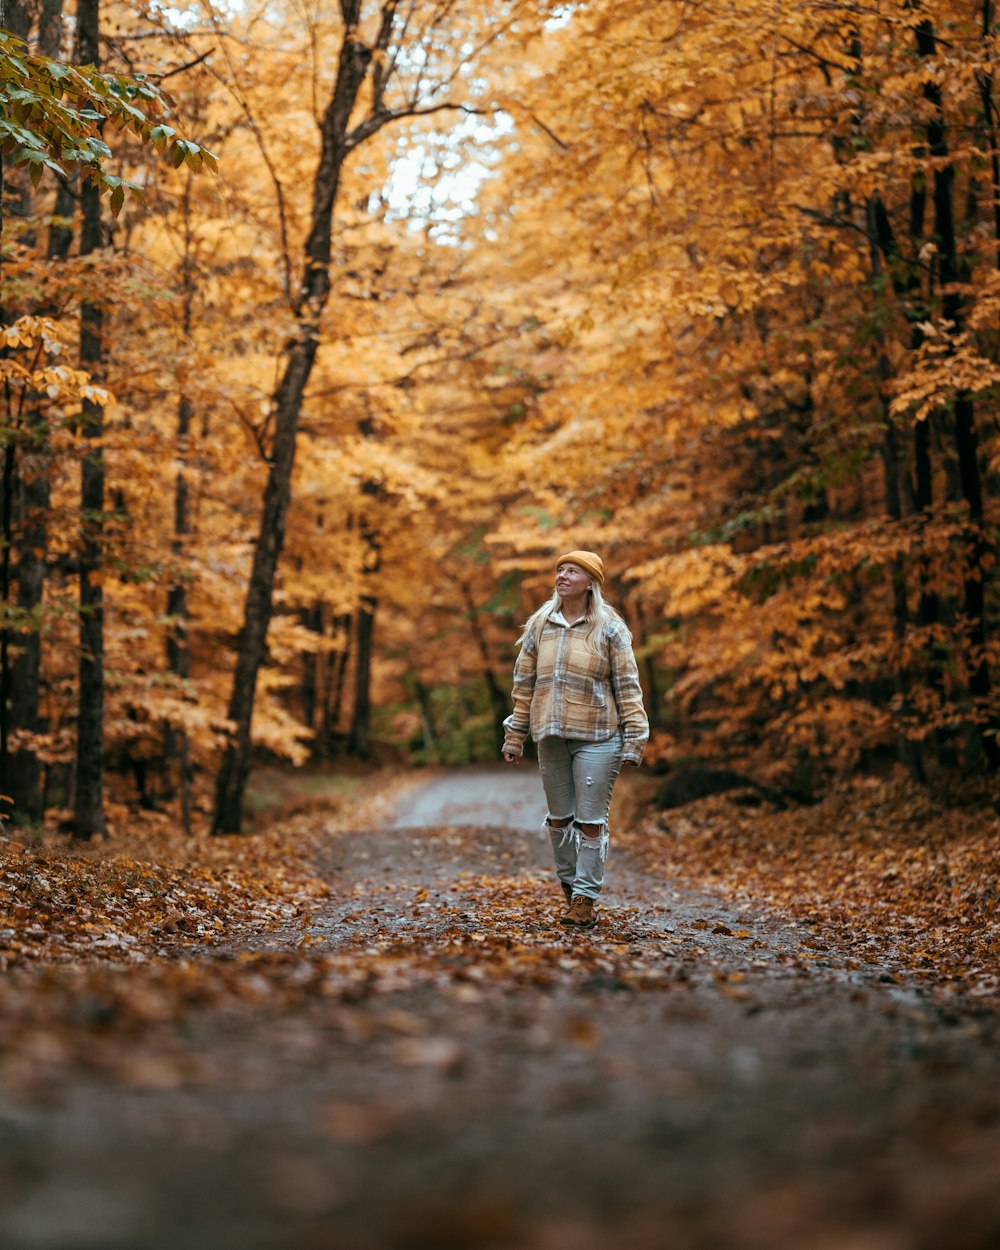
pixel 600 614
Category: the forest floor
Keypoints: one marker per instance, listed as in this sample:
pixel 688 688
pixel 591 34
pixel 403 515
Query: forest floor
pixel 362 1028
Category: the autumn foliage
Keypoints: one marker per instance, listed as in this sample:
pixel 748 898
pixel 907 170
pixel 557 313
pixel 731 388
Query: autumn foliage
pixel 710 288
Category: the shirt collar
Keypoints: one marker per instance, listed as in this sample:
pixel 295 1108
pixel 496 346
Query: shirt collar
pixel 557 618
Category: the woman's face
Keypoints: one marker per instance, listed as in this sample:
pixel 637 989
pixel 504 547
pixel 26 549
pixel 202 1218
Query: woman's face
pixel 571 580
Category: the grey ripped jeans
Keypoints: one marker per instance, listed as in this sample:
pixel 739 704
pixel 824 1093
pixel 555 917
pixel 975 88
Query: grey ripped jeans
pixel 579 778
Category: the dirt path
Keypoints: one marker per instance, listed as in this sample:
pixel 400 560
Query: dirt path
pixel 449 1069
pixel 508 797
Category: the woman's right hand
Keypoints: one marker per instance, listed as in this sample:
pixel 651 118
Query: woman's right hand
pixel 511 758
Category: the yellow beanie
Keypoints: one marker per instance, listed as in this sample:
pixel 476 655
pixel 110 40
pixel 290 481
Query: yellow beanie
pixel 588 561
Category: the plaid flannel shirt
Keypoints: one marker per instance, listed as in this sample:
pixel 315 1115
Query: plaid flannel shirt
pixel 563 690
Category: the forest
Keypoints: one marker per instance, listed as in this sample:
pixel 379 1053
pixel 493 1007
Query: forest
pixel 327 325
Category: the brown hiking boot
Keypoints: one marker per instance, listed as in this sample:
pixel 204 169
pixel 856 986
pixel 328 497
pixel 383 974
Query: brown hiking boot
pixel 568 891
pixel 580 914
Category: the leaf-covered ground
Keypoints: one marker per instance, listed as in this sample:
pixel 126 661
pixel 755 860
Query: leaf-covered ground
pixel 878 871
pixel 345 1032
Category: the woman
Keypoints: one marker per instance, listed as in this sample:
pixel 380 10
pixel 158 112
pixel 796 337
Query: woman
pixel 576 690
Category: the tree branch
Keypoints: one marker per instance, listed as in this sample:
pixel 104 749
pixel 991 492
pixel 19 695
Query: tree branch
pixel 375 121
pixel 547 130
pixel 381 66
pixel 236 89
pixel 181 68
pixel 402 379
pixel 257 432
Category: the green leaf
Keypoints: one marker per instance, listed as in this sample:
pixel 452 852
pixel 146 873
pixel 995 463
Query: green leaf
pixel 17 65
pixel 50 112
pixel 159 135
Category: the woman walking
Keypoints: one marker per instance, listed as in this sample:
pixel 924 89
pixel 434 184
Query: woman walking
pixel 576 691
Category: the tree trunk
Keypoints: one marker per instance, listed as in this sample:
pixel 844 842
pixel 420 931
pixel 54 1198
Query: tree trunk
pixel 50 32
pixel 648 667
pixel 333 695
pixel 360 741
pixel 313 671
pixel 300 356
pixel 6 532
pixel 15 16
pixel 20 673
pixel 427 727
pixel 919 492
pixel 235 768
pixel 984 80
pixel 498 699
pixel 88 813
pixel 50 27
pixel 15 187
pixel 965 434
pixel 176 747
pixel 357 63
pixel 24 780
pixel 15 199
pixel 907 749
